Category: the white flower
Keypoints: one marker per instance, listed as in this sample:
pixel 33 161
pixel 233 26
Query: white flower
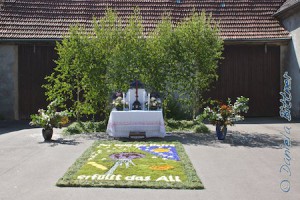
pixel 219 116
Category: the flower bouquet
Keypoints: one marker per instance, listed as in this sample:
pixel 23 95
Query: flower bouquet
pixel 224 114
pixel 155 103
pixel 119 103
pixel 50 118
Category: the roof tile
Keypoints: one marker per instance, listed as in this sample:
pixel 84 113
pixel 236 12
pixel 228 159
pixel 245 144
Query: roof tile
pixel 50 19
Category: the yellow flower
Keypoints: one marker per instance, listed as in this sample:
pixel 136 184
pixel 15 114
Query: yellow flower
pixel 161 150
pixel 161 167
pixel 64 120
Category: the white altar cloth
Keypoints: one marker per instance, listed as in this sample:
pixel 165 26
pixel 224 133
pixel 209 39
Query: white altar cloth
pixel 121 123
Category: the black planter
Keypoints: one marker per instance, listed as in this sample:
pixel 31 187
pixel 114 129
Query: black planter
pixel 47 134
pixel 221 132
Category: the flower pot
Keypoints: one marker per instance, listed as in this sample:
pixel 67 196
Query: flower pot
pixel 47 134
pixel 221 132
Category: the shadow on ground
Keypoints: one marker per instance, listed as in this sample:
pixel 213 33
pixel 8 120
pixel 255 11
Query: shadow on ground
pixel 61 141
pixel 267 120
pixel 234 138
pixel 7 126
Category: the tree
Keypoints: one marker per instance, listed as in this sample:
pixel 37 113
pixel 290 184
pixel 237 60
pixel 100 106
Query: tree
pixel 180 60
pixel 197 48
pixel 70 77
pixel 159 66
pixel 128 57
pixel 107 35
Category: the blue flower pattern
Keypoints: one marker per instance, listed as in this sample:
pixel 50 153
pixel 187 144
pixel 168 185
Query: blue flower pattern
pixel 171 154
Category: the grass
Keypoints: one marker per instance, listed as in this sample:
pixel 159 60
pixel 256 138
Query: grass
pixel 85 127
pixel 149 171
pixel 171 126
pixel 186 125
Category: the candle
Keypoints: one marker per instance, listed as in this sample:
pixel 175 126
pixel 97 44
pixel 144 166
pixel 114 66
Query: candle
pixel 149 101
pixel 136 90
pixel 124 101
pixel 129 103
pixel 143 103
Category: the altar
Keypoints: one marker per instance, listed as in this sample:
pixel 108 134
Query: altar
pixel 123 123
pixel 136 113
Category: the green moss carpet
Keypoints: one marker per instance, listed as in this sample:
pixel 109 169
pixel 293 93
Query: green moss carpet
pixel 133 164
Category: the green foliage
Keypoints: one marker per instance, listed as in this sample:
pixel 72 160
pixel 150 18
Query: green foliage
pixel 127 59
pixel 84 167
pixel 201 128
pixel 159 65
pixel 108 34
pixel 226 113
pixel 179 60
pixel 171 125
pixel 175 110
pixel 186 125
pixel 85 127
pixel 197 50
pixel 50 118
pixel 71 79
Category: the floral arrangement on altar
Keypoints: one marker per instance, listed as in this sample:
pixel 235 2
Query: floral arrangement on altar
pixel 155 103
pixel 224 114
pixel 119 103
pixel 50 118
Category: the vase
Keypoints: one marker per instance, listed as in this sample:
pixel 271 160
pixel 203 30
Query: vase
pixel 47 134
pixel 221 131
pixel 153 108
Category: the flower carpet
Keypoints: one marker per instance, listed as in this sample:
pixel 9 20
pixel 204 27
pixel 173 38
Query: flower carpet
pixel 162 165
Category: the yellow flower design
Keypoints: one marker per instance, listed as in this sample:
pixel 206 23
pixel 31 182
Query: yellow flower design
pixel 161 150
pixel 161 167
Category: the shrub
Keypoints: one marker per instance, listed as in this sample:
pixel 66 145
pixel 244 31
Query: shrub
pixel 186 125
pixel 201 128
pixel 85 127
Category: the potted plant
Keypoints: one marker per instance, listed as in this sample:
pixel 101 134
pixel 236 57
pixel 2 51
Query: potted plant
pixel 49 119
pixel 224 114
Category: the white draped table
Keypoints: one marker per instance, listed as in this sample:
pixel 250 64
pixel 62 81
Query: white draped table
pixel 121 123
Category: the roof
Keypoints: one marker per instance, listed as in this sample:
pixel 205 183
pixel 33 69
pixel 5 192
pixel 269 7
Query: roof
pixel 50 19
pixel 289 4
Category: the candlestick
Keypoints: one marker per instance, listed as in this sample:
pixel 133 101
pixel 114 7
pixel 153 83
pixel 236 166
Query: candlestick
pixel 124 101
pixel 136 104
pixel 136 90
pixel 129 103
pixel 149 101
pixel 143 103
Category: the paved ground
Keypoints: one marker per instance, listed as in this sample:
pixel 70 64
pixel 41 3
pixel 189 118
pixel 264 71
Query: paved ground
pixel 245 166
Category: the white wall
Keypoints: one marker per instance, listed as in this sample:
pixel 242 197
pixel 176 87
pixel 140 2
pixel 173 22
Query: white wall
pixel 291 62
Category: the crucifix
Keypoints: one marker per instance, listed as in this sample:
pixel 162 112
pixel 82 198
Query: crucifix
pixel 136 104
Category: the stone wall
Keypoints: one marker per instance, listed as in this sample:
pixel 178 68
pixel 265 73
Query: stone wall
pixel 9 82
